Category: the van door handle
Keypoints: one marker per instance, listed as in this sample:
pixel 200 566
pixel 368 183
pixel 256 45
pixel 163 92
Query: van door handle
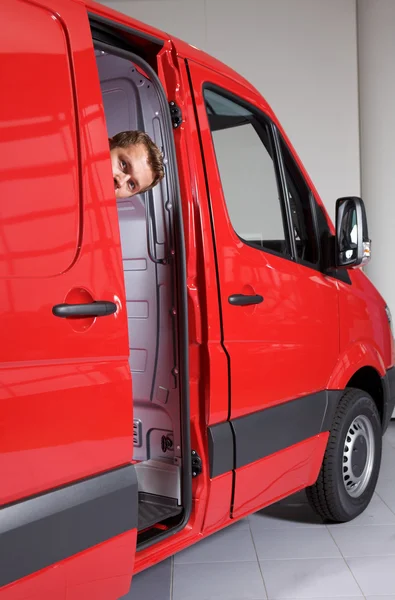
pixel 94 309
pixel 244 299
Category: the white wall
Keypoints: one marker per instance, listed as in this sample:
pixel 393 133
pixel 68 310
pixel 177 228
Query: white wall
pixel 300 54
pixel 376 43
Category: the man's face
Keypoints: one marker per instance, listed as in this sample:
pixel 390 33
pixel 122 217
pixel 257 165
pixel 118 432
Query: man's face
pixel 131 171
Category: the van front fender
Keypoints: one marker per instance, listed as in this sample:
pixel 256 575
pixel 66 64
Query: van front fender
pixel 350 365
pixel 357 356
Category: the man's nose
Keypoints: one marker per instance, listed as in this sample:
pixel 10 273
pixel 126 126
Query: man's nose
pixel 123 178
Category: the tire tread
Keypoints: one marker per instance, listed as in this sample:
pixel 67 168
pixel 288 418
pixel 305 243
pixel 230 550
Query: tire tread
pixel 321 495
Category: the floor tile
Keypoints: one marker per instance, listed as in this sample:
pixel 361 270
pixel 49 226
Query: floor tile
pixel 375 540
pixel 384 476
pixel 152 584
pixel 218 581
pixel 233 544
pixel 374 574
pixel 386 491
pixel 285 516
pixel 338 598
pixel 313 578
pixel 390 433
pixel 224 566
pixel 241 524
pixel 387 468
pixel 294 543
pixel 377 513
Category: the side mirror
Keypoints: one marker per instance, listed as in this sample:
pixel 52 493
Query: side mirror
pixel 352 239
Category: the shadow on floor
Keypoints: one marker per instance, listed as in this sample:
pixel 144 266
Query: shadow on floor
pixel 153 583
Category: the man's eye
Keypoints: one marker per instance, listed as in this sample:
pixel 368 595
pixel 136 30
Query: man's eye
pixel 131 185
pixel 123 164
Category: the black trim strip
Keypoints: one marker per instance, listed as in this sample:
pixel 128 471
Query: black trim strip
pixel 48 528
pixel 125 38
pixel 279 165
pixel 111 27
pixel 268 431
pixel 340 274
pixel 220 447
pixel 332 400
pixel 389 396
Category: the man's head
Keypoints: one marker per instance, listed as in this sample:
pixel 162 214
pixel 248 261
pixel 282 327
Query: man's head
pixel 137 163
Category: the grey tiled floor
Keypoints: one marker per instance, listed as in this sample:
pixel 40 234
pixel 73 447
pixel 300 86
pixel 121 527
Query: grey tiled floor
pixel 285 552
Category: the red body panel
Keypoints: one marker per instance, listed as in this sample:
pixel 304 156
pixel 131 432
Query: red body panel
pixel 281 339
pixel 66 407
pixel 217 511
pixel 204 319
pixel 101 573
pixel 65 387
pixel 279 475
pixel 365 338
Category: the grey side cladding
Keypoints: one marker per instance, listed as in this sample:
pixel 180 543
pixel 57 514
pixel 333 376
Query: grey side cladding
pixel 244 440
pixel 332 400
pixel 388 382
pixel 273 429
pixel 48 528
pixel 221 449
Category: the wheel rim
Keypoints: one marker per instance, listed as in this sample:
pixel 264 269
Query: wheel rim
pixel 358 456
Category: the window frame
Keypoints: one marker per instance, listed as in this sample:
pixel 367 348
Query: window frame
pixel 318 266
pixel 265 122
pixel 279 165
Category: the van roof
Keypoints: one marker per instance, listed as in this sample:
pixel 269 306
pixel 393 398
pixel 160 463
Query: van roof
pixel 183 49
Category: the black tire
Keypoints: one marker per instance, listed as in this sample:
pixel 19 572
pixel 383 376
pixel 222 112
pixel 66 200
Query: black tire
pixel 329 496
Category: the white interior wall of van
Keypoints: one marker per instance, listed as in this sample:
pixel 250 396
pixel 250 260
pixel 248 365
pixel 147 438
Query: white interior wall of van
pixel 131 102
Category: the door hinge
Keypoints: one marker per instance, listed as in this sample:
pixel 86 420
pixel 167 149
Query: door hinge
pixel 196 464
pixel 176 115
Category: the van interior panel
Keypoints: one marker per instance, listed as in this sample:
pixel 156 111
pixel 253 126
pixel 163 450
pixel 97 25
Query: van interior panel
pixel 130 103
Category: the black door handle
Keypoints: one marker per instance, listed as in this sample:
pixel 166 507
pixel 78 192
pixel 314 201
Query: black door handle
pixel 94 309
pixel 244 300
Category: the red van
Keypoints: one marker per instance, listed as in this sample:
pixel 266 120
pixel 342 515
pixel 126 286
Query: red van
pixel 173 361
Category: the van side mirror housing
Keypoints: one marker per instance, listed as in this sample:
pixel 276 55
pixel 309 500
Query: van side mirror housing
pixel 353 246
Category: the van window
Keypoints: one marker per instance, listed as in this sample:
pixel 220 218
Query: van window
pixel 244 155
pixel 301 210
pixel 39 170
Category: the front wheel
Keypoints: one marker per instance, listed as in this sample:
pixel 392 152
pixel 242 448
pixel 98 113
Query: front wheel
pixel 351 464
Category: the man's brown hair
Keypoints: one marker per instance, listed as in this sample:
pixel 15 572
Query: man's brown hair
pixel 155 156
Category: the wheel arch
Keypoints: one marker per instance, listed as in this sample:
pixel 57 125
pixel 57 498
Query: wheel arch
pixel 362 367
pixel 368 380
